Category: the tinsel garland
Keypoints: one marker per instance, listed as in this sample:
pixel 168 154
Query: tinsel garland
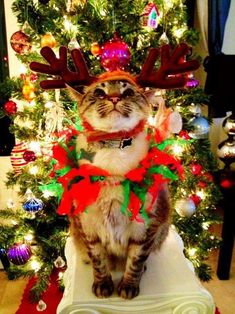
pixel 78 187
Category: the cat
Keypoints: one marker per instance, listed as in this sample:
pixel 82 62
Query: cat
pixel 114 112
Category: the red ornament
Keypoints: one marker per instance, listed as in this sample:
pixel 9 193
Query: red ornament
pixel 195 169
pixel 208 176
pixel 115 54
pixel 196 199
pixel 29 155
pixel 20 42
pixel 33 77
pixel 10 107
pixel 184 135
pixel 202 184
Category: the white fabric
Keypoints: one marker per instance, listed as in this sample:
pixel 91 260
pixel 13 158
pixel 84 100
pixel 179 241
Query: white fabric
pixel 229 42
pixel 168 286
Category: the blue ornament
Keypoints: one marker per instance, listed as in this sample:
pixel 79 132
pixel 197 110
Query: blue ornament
pixel 19 254
pixel 200 127
pixel 33 205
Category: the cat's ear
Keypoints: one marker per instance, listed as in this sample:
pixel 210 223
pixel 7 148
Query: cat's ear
pixel 74 94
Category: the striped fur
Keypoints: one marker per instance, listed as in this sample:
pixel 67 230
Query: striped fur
pixel 104 235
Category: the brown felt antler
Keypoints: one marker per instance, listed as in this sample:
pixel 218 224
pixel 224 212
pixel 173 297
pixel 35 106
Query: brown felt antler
pixel 59 67
pixel 171 64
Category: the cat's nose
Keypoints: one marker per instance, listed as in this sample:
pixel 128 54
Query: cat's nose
pixel 114 99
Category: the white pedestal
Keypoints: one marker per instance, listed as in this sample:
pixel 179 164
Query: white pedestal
pixel 168 286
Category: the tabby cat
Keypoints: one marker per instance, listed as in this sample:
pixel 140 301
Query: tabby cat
pixel 114 112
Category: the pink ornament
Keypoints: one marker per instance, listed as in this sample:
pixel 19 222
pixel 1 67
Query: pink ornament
pixel 115 54
pixel 10 107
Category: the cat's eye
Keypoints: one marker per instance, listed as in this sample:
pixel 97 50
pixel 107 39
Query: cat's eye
pixel 128 93
pixel 99 93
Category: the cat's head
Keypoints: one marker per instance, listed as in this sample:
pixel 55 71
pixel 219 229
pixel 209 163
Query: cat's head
pixel 112 105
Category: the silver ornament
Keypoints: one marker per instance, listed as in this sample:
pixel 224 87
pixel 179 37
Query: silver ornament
pixel 163 40
pixel 185 207
pixel 229 125
pixel 59 262
pixel 41 306
pixel 226 151
pixel 200 127
pixel 195 109
pixel 73 44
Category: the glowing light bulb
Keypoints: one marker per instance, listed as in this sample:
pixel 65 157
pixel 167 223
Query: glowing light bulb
pixel 28 237
pixel 205 225
pixel 35 265
pixel 35 146
pixel 177 149
pixel 33 170
pixel 47 194
pixel 192 252
pixel 10 203
pixel 201 194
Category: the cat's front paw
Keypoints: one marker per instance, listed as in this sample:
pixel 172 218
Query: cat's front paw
pixel 104 288
pixel 127 290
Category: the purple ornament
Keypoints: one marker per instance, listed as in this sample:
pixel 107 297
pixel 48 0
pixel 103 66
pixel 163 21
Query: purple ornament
pixel 19 254
pixel 115 54
pixel 192 83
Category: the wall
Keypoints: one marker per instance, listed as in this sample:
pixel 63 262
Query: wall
pixel 14 66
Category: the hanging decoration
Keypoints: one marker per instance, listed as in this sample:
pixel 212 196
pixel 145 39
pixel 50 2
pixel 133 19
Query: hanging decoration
pixel 95 49
pixel 20 42
pixel 115 54
pixel 41 306
pixel 19 254
pixel 59 262
pixel 33 205
pixel 192 82
pixel 226 149
pixel 73 44
pixel 10 107
pixel 29 156
pixel 28 90
pixel 17 160
pixel 185 207
pixel 150 16
pixel 200 127
pixel 48 40
pixel 195 169
pixel 163 40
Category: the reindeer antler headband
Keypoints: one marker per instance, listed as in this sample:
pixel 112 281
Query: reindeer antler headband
pixel 171 64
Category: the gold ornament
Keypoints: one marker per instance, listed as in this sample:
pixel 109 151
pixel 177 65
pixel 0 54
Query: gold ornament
pixel 28 90
pixel 48 40
pixel 95 49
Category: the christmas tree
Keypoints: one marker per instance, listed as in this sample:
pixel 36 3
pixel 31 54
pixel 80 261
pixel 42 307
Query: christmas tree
pixel 33 235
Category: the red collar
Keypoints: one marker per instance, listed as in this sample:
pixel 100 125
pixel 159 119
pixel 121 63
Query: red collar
pixel 95 136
